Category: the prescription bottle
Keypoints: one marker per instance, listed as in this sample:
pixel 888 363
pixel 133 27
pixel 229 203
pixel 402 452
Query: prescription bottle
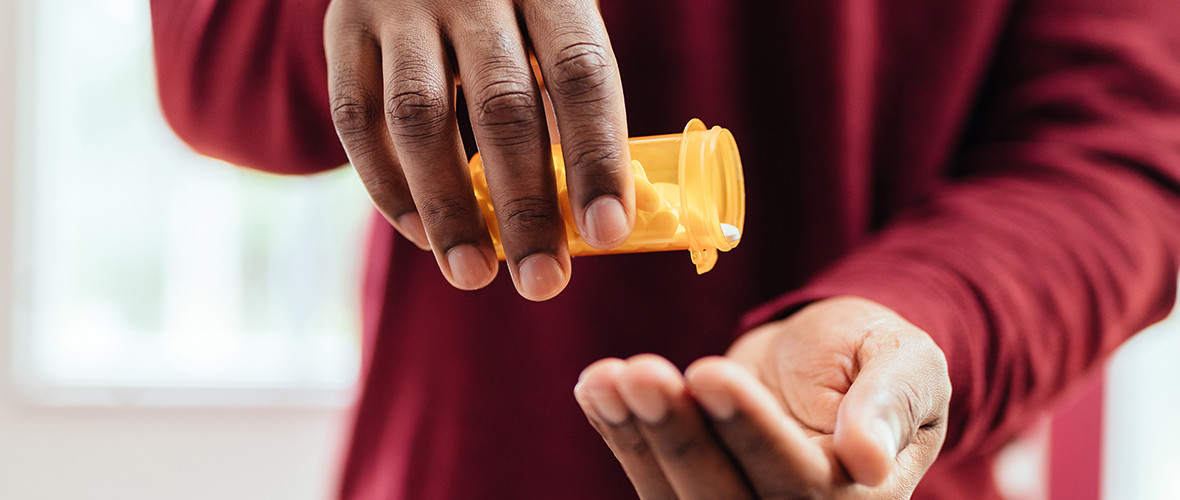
pixel 689 195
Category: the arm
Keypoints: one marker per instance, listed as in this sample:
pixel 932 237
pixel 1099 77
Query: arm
pixel 244 81
pixel 1062 236
pixel 1057 238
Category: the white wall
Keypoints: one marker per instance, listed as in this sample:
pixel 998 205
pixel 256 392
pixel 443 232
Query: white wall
pixel 138 453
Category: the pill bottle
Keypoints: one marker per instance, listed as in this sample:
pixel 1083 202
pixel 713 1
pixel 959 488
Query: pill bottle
pixel 689 195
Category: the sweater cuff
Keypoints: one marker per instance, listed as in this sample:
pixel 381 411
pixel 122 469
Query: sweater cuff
pixel 936 299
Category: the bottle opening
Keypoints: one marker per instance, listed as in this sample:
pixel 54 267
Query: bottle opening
pixel 728 186
pixel 713 189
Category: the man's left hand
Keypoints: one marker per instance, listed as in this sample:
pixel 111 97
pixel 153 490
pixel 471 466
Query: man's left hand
pixel 843 399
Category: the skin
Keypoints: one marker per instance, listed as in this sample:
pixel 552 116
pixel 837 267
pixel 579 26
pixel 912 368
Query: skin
pixel 844 399
pixel 393 66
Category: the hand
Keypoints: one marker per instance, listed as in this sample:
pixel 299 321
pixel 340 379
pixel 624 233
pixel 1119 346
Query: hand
pixel 392 70
pixel 844 399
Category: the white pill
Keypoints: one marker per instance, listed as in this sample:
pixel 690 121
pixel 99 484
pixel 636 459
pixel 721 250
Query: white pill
pixel 731 233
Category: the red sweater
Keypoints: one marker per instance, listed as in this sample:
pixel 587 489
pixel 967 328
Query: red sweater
pixel 1004 174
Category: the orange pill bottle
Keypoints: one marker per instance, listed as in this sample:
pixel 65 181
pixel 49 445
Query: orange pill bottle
pixel 689 195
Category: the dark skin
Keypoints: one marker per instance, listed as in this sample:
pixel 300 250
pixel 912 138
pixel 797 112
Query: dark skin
pixel 392 72
pixel 844 399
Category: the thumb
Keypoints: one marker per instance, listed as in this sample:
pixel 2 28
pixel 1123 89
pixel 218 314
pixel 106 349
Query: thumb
pixel 901 387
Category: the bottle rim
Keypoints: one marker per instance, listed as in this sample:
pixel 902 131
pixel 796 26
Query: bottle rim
pixel 710 161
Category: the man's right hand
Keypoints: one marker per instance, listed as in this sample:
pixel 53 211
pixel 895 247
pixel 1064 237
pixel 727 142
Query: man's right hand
pixel 392 68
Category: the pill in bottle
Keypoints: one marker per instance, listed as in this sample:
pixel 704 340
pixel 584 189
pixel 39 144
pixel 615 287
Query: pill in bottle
pixel 689 195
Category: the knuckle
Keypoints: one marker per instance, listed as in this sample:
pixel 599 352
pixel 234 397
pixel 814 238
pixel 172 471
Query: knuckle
pixel 628 442
pixel 638 447
pixel 906 399
pixel 684 448
pixel 445 210
pixel 526 214
pixel 354 110
pixel 508 111
pixel 595 161
pixel 680 449
pixel 583 72
pixel 416 106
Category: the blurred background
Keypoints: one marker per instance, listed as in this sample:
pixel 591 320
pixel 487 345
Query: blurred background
pixel 175 327
pixel 178 328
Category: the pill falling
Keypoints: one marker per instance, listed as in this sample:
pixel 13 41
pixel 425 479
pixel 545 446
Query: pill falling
pixel 731 233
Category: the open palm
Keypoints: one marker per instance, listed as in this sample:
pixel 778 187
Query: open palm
pixel 844 399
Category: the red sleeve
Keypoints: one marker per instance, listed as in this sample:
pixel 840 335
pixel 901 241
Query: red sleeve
pixel 242 80
pixel 1061 237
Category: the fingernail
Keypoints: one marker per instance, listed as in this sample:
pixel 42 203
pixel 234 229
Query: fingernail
pixel 541 277
pixel 470 269
pixel 648 404
pixel 608 406
pixel 578 387
pixel 887 435
pixel 411 226
pixel 606 222
pixel 718 404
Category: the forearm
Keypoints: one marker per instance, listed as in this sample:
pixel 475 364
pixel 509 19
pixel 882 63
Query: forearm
pixel 245 81
pixel 1061 236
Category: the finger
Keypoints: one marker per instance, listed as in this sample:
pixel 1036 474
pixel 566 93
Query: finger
pixel 778 457
pixel 898 401
pixel 598 396
pixel 420 114
pixel 354 76
pixel 693 461
pixel 582 78
pixel 508 120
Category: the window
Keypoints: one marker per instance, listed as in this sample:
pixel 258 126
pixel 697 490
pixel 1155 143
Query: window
pixel 1142 407
pixel 148 274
